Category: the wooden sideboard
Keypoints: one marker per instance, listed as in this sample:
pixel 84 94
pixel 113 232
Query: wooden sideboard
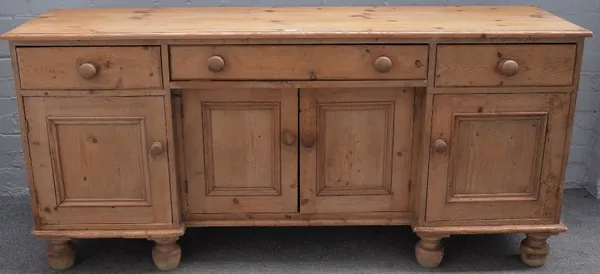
pixel 138 123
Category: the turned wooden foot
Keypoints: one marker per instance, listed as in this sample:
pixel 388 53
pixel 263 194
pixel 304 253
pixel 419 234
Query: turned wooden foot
pixel 429 252
pixel 166 253
pixel 60 254
pixel 534 249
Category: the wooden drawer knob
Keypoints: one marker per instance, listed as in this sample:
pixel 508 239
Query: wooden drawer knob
pixel 216 63
pixel 440 146
pixel 383 64
pixel 508 67
pixel 87 71
pixel 156 149
pixel 288 138
pixel 308 141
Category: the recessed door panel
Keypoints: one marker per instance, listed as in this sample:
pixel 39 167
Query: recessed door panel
pixel 496 156
pixel 92 161
pixel 240 149
pixel 356 147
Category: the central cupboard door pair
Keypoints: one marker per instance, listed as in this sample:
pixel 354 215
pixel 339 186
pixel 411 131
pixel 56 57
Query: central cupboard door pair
pixel 297 150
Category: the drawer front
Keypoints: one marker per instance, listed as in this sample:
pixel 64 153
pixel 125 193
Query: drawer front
pixel 289 62
pixel 505 65
pixel 55 68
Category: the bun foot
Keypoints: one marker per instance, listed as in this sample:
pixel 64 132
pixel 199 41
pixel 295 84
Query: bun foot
pixel 429 252
pixel 534 249
pixel 60 254
pixel 166 254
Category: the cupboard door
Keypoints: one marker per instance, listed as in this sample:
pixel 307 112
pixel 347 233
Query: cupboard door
pixel 356 148
pixel 99 160
pixel 240 150
pixel 496 156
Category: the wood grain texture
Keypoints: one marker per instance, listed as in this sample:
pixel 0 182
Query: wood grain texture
pixel 137 122
pixel 429 251
pixel 535 249
pixel 117 67
pixel 303 41
pixel 477 65
pixel 111 226
pixel 216 84
pixel 180 149
pixel 422 115
pixel 569 128
pixel 108 233
pixel 171 115
pixel 23 128
pixel 300 222
pixel 82 173
pixel 299 219
pixel 509 146
pixel 494 229
pixel 166 253
pixel 60 254
pixel 416 157
pixel 235 160
pixel 360 162
pixel 90 161
pixel 483 90
pixel 291 62
pixel 504 158
pixel 492 222
pixel 92 93
pixel 296 22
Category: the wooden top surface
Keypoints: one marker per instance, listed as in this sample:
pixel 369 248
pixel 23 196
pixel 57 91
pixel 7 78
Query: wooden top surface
pixel 297 22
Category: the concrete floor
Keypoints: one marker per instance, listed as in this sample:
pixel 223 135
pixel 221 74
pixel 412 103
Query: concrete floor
pixel 310 249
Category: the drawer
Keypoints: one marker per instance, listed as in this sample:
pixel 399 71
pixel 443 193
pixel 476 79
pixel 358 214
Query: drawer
pixel 89 67
pixel 291 62
pixel 505 65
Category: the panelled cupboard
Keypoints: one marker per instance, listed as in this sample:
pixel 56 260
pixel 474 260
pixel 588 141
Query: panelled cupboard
pixel 138 123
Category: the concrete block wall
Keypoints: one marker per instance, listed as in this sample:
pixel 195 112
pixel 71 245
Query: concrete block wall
pixel 584 160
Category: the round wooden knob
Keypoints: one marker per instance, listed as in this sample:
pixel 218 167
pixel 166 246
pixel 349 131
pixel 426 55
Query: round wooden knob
pixel 156 148
pixel 441 146
pixel 308 141
pixel 216 63
pixel 508 67
pixel 288 139
pixel 383 64
pixel 87 71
